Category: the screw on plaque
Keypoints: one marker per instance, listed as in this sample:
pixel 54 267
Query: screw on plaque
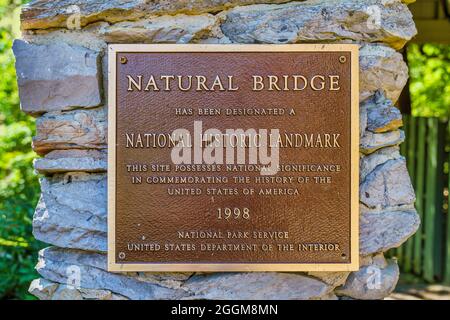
pixel 344 256
pixel 123 60
pixel 342 59
pixel 122 255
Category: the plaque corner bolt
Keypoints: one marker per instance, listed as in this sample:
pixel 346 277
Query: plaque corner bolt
pixel 123 60
pixel 342 59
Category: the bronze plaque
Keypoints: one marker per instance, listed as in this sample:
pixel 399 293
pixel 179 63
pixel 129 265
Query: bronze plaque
pixel 233 158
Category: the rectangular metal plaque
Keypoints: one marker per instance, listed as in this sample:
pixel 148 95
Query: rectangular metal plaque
pixel 233 158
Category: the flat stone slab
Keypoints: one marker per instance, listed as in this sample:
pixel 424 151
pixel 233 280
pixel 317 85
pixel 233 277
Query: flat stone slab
pixel 41 14
pixel 54 264
pixel 57 76
pixel 381 69
pixel 80 129
pixel 166 29
pixel 369 162
pixel 382 115
pixel 320 21
pixel 375 280
pixel 371 142
pixel 78 160
pixel 71 211
pixel 381 231
pixel 389 185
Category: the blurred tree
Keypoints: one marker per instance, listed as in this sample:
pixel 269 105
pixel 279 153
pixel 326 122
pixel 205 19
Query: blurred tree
pixel 429 66
pixel 19 188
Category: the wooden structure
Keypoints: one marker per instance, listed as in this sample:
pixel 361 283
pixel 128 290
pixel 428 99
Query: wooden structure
pixel 432 19
pixel 427 253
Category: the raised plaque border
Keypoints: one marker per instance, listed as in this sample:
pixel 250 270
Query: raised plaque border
pixel 113 49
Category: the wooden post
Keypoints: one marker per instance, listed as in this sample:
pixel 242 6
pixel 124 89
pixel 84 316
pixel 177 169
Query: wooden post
pixel 447 245
pixel 411 160
pixel 439 201
pixel 420 188
pixel 403 151
pixel 430 206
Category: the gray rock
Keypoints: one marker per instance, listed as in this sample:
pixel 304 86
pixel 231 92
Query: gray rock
pixel 65 292
pixel 371 142
pixel 57 265
pixel 388 185
pixel 57 76
pixel 381 231
pixel 90 294
pixel 330 296
pixel 320 21
pixel 41 14
pixel 333 279
pixel 172 280
pixel 166 29
pixel 42 289
pixel 362 120
pixel 256 286
pixel 88 37
pixel 80 129
pixel 47 290
pixel 381 69
pixel 382 115
pixel 93 294
pixel 220 40
pixel 68 292
pixel 72 160
pixel 38 14
pixel 369 162
pixel 373 281
pixel 71 212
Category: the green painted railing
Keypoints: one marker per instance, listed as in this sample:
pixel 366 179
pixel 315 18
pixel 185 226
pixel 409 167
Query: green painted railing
pixel 426 149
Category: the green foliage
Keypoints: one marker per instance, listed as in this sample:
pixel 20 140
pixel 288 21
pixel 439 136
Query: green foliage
pixel 19 188
pixel 429 66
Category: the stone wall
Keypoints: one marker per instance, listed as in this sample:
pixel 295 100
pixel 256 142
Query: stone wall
pixel 62 76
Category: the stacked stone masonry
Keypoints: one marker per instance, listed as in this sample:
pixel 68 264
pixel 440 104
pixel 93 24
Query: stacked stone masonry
pixel 62 75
